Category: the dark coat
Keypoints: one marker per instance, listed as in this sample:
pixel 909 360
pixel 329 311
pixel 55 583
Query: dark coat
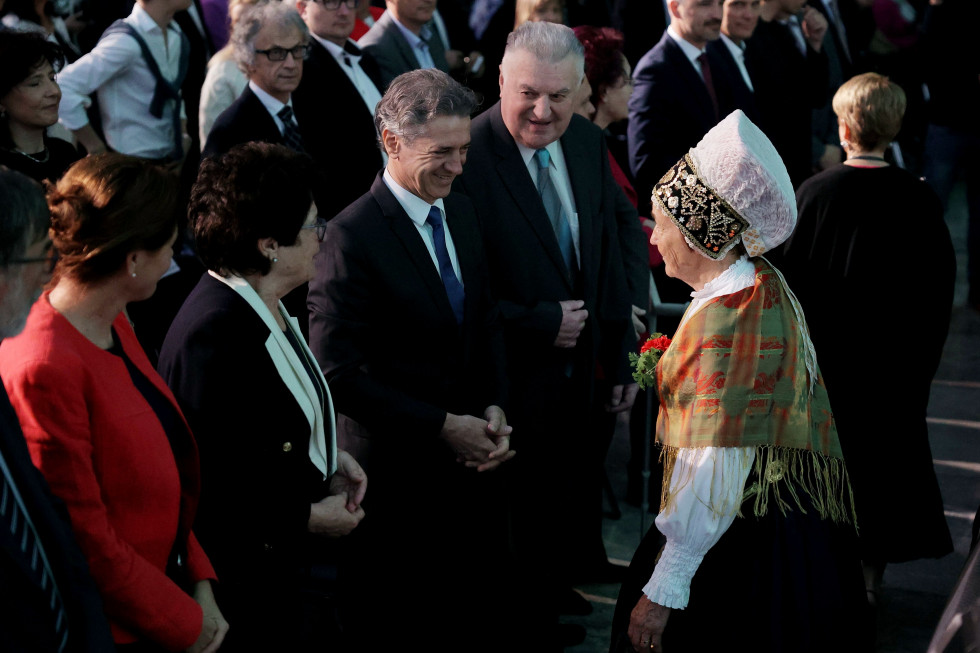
pixel 338 130
pixel 669 111
pixel 245 120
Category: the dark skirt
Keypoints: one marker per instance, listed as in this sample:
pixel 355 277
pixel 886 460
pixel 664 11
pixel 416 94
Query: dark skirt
pixel 778 583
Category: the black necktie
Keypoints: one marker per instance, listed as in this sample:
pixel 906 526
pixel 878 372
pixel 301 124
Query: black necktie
pixel 21 541
pixel 290 132
pixel 454 289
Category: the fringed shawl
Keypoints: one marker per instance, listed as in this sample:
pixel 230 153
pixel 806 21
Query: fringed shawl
pixel 736 375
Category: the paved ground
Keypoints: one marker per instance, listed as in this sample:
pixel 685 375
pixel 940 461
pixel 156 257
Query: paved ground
pixel 915 593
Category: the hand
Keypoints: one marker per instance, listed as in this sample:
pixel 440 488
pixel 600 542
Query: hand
pixel 213 625
pixel 331 518
pixel 475 64
pixel 468 437
pixel 814 27
pixel 638 326
pixel 499 431
pixel 573 318
pixel 349 481
pixel 647 623
pixel 832 155
pixel 622 397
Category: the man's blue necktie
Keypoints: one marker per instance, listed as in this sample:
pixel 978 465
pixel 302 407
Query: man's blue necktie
pixel 556 212
pixel 454 289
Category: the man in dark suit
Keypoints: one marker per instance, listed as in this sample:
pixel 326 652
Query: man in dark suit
pixel 738 22
pixel 680 93
pixel 540 179
pixel 264 112
pixel 335 103
pixel 48 601
pixel 786 56
pixel 404 327
pixel 404 39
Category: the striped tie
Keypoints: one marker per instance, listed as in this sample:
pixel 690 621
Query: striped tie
pixel 556 212
pixel 290 131
pixel 19 538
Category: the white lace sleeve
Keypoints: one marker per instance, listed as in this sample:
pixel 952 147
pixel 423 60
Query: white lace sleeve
pixel 704 507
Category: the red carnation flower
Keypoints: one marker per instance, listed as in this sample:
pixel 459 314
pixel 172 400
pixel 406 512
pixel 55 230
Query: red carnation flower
pixel 659 344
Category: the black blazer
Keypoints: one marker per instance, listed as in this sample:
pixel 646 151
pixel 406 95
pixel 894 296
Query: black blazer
pixel 24 611
pixel 338 130
pixel 669 111
pixel 383 330
pixel 257 481
pixel 385 42
pixel 245 120
pixel 528 275
pixel 742 96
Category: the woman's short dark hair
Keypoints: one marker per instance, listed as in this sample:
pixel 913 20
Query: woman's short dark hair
pixel 254 191
pixel 21 53
pixel 106 207
pixel 603 58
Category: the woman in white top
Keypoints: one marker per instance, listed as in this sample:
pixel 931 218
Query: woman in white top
pixel 225 81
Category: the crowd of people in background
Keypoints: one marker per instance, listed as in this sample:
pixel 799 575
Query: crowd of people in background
pixel 294 248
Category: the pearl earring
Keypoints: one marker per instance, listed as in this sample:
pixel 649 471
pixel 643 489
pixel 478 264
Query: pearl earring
pixel 132 274
pixel 275 260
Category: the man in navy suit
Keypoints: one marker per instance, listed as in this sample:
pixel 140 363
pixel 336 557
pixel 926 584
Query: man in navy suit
pixel 409 339
pixel 335 103
pixel 737 25
pixel 680 92
pixel 48 601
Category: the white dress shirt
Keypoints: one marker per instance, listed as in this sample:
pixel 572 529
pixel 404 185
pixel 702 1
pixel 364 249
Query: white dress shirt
pixel 707 483
pixel 418 212
pixel 691 52
pixel 116 69
pixel 273 106
pixel 561 182
pixel 738 54
pixel 419 46
pixel 351 65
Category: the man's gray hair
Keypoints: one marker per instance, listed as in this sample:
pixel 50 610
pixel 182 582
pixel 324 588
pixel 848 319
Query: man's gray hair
pixel 416 97
pixel 251 22
pixel 25 216
pixel 548 42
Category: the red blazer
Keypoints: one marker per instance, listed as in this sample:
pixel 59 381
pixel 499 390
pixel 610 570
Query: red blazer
pixel 104 453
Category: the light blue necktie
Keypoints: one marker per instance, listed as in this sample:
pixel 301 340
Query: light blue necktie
pixel 556 212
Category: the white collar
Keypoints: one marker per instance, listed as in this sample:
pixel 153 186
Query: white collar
pixel 690 51
pixel 414 40
pixel 294 374
pixel 554 151
pixel 336 51
pixel 738 275
pixel 738 51
pixel 416 207
pixel 144 22
pixel 271 104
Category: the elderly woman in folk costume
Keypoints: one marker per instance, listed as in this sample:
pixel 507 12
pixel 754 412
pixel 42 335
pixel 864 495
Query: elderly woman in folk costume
pixel 754 546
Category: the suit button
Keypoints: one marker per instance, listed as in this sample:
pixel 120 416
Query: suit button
pixel 287 446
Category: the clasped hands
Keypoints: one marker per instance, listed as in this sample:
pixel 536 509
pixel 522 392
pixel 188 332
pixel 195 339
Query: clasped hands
pixel 483 444
pixel 340 512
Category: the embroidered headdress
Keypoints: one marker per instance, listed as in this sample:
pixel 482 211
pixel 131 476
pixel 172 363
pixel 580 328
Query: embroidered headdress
pixel 731 186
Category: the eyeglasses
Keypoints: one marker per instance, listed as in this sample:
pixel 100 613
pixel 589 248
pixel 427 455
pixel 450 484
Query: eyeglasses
pixel 321 228
pixel 335 4
pixel 276 53
pixel 51 259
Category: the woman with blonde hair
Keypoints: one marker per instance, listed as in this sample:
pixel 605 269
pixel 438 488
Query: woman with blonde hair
pixel 224 81
pixel 845 262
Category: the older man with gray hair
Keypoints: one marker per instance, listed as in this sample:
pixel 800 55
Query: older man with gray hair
pixel 270 42
pixel 556 228
pixel 403 324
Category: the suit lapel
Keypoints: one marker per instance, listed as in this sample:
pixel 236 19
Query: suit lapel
pixel 465 254
pixel 583 176
pixel 694 85
pixel 405 231
pixel 516 179
pixel 401 45
pixel 259 116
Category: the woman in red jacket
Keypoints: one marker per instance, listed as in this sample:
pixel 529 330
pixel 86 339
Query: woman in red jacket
pixel 101 425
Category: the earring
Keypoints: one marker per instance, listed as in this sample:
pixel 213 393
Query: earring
pixel 844 145
pixel 132 274
pixel 275 260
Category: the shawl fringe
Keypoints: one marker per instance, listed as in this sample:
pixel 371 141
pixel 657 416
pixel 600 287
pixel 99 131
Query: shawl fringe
pixel 778 477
